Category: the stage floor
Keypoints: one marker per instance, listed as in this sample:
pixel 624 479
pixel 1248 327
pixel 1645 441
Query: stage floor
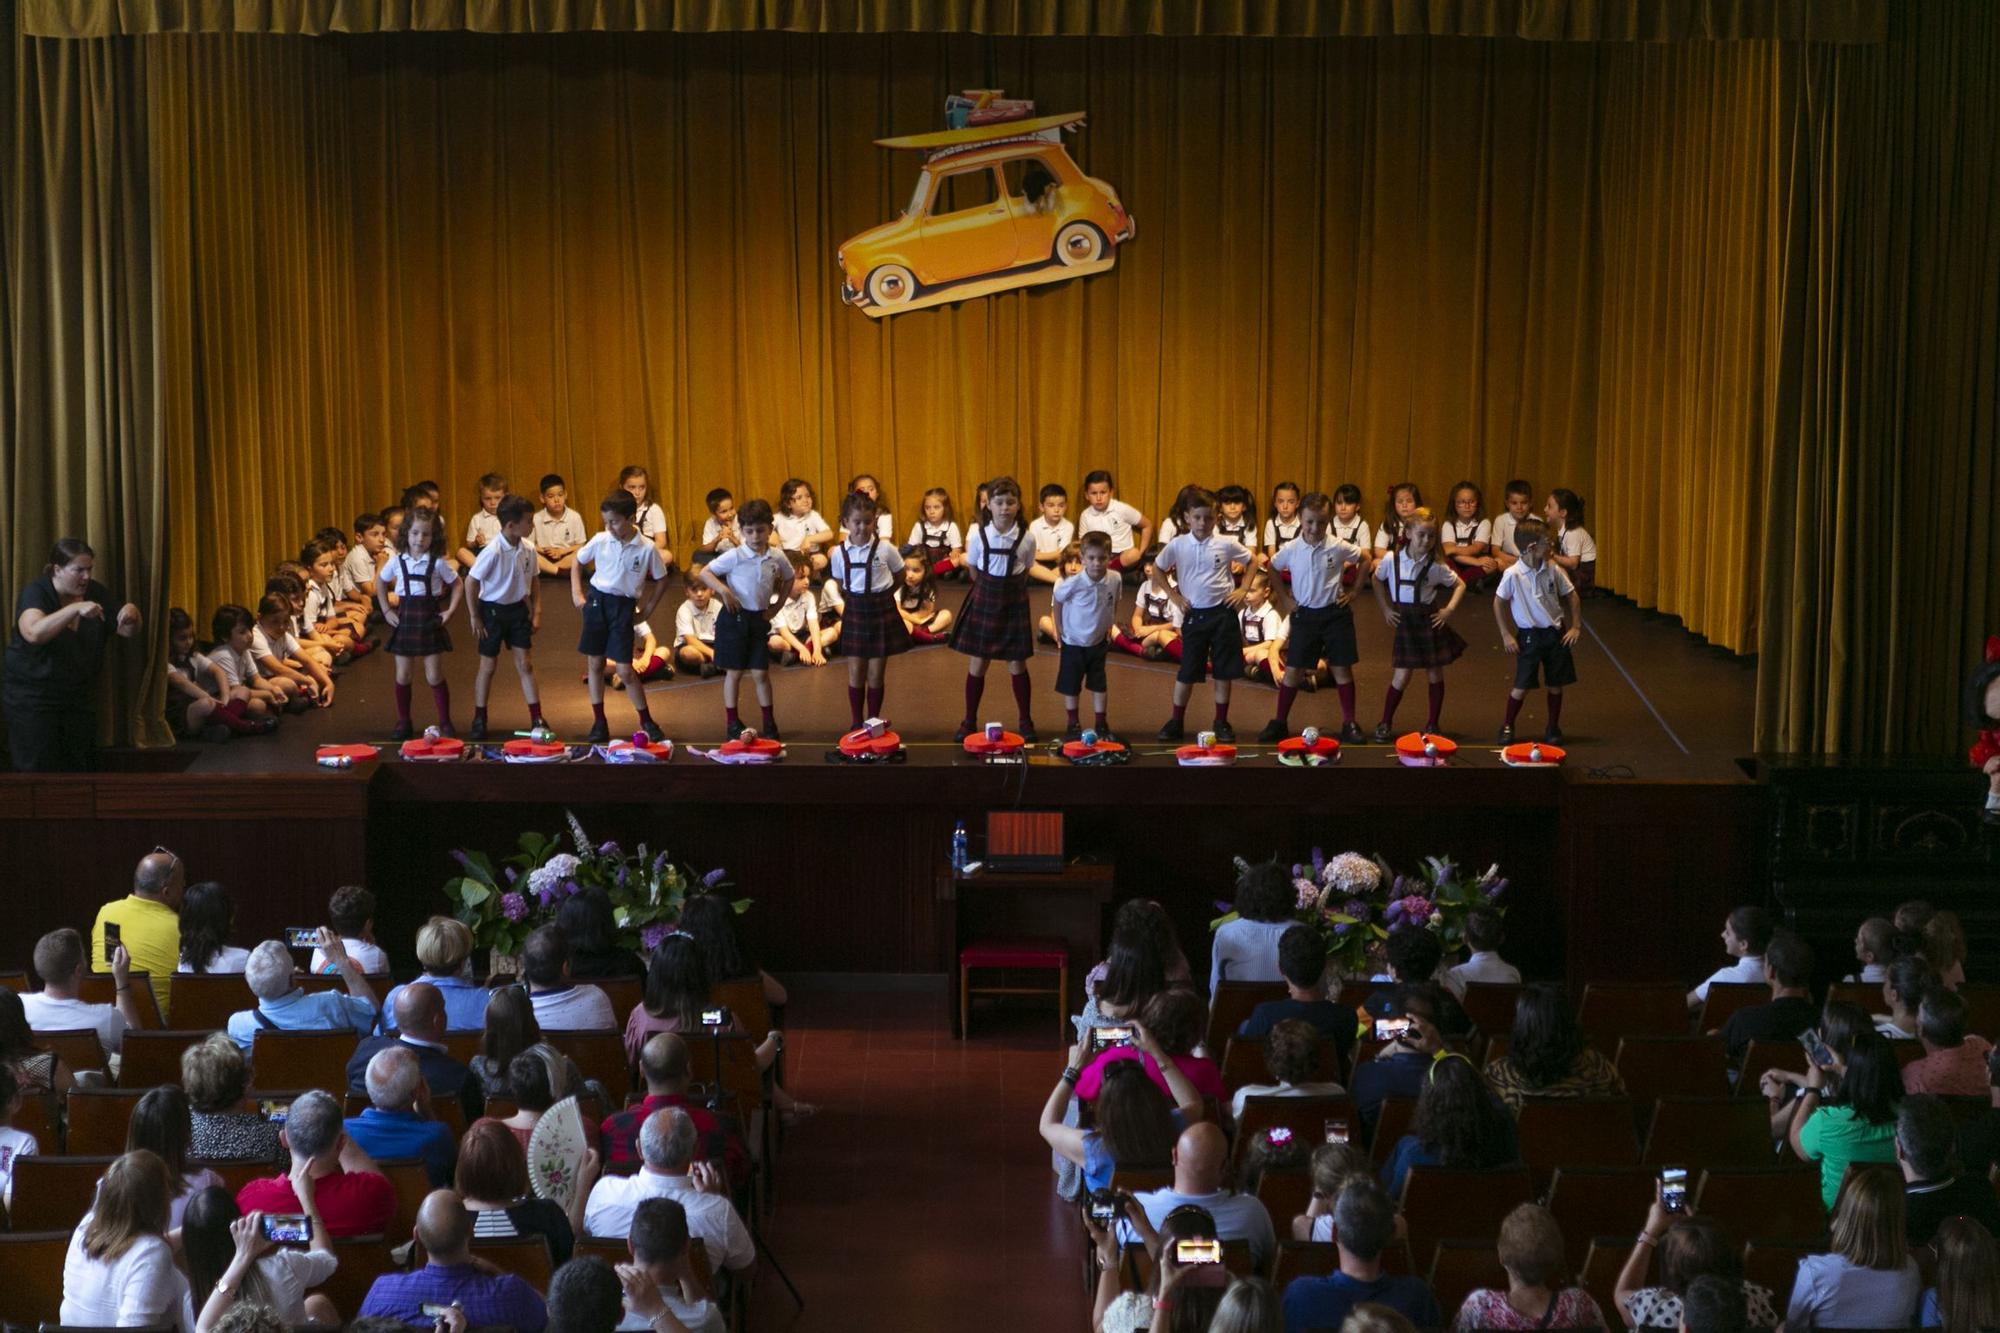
pixel 1651 702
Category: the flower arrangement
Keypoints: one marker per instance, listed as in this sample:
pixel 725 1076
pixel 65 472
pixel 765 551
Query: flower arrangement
pixel 504 904
pixel 1356 902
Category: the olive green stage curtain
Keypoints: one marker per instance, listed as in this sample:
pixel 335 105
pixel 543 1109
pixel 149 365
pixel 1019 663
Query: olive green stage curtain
pixel 1739 293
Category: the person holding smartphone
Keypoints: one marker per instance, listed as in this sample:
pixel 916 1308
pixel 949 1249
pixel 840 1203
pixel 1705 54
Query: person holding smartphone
pixel 235 1257
pixel 1134 1124
pixel 1185 1293
pixel 1689 1247
pixel 1401 1067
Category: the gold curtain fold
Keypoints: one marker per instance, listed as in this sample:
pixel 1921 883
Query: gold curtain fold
pixel 79 423
pixel 1539 20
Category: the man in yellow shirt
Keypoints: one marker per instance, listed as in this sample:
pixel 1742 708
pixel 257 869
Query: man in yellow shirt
pixel 148 921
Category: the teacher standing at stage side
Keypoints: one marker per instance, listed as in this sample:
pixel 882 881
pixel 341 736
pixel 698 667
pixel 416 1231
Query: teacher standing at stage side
pixel 62 622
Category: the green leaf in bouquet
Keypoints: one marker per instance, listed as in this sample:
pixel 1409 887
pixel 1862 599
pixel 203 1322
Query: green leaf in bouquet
pixel 470 891
pixel 741 905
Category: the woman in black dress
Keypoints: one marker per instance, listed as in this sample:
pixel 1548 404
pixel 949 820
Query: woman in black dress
pixel 61 623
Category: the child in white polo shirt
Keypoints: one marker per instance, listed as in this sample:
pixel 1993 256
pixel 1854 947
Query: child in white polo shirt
pixel 1053 534
pixel 1084 606
pixel 694 630
pixel 626 580
pixel 559 531
pixel 484 525
pixel 1322 623
pixel 748 579
pixel 1529 605
pixel 1520 499
pixel 1104 512
pixel 1204 563
pixel 506 606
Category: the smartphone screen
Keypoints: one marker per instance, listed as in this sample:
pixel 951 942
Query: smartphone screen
pixel 1673 1188
pixel 1816 1048
pixel 1103 1212
pixel 1390 1029
pixel 301 937
pixel 1114 1036
pixel 1198 1251
pixel 711 1018
pixel 274 1110
pixel 287 1228
pixel 111 941
pixel 1336 1131
pixel 432 1310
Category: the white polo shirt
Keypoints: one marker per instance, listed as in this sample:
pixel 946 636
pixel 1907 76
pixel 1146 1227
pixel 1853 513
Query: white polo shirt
pixel 997 554
pixel 621 568
pixel 563 530
pixel 1051 538
pixel 1116 518
pixel 652 521
pixel 263 645
pixel 237 668
pixel 1315 570
pixel 1262 624
pixel 875 567
pixel 798 614
pixel 1534 596
pixel 713 532
pixel 946 536
pixel 1205 569
pixel 1353 531
pixel 359 566
pixel 481 528
pixel 696 622
pixel 793 529
pixel 755 579
pixel 404 572
pixel 1503 534
pixel 1577 545
pixel 1278 534
pixel 1084 610
pixel 1410 581
pixel 1460 533
pixel 504 570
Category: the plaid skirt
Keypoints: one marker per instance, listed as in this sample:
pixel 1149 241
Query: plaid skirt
pixel 1419 645
pixel 420 627
pixel 870 627
pixel 994 622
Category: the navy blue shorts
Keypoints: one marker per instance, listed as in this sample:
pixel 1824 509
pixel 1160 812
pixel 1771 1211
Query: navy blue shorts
pixel 1543 654
pixel 1211 638
pixel 1321 632
pixel 507 625
pixel 607 626
pixel 742 640
pixel 1081 668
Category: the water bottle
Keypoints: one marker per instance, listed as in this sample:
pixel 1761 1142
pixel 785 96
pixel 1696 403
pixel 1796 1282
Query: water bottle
pixel 959 857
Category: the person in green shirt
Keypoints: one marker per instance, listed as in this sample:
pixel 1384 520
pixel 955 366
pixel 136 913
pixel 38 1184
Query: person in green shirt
pixel 149 923
pixel 1847 1111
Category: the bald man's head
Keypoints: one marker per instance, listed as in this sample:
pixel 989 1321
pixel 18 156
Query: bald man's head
pixel 420 1011
pixel 444 1227
pixel 1199 1158
pixel 160 875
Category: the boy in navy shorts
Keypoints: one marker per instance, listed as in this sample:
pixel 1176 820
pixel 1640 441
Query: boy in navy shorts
pixel 627 577
pixel 1084 607
pixel 748 578
pixel 1205 563
pixel 1535 594
pixel 506 606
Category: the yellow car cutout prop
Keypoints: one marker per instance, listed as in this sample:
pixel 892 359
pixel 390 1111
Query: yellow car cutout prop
pixel 996 206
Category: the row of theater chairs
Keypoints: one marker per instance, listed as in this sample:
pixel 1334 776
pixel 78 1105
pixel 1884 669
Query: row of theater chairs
pixel 31 1267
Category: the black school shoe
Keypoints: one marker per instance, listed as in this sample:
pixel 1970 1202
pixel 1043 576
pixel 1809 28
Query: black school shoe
pixel 654 733
pixel 1073 732
pixel 1351 734
pixel 709 671
pixel 1381 733
pixel 477 731
pixel 600 734
pixel 1174 730
pixel 1506 735
pixel 1272 733
pixel 402 731
pixel 964 729
pixel 732 731
pixel 1553 736
pixel 1224 733
pixel 1027 731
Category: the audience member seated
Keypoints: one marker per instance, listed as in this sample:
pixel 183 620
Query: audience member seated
pixel 1291 1050
pixel 1548 1057
pixel 451 1277
pixel 285 1006
pixel 1839 1023
pixel 1187 1297
pixel 1944 948
pixel 663 1063
pixel 226 1127
pixel 1869 1280
pixel 14 1143
pixel 1954 1061
pixel 1924 1133
pixel 208 920
pixel 661 1274
pixel 510 1030
pixel 1133 1125
pixel 351 914
pixel 1416 956
pixel 149 923
pixel 1459 1124
pixel 353 1197
pixel 119 1272
pixel 711 919
pixel 586 916
pixel 1333 1166
pixel 444 950
pixel 60 963
pixel 1484 934
pixel 1714 1305
pixel 1847 1114
pixel 678 993
pixel 666 1146
pixel 1978 1139
pixel 1262 1152
pixel 1201 1166
pixel 1874 949
pixel 1246 949
pixel 1302 962
pixel 493 1181
pixel 229 1262
pixel 1903 995
pixel 1401 1067
pixel 398 1123
pixel 1531 1253
pixel 420 1028
pixel 585 1297
pixel 1363 1222
pixel 562 1004
pixel 1172 1021
pixel 1967 1294
pixel 162 1124
pixel 1691 1249
pixel 1745 933
pixel 36 1071
pixel 1788 965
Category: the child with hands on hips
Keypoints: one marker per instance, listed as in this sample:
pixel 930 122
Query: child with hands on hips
pixel 748 579
pixel 419 577
pixel 866 569
pixel 505 604
pixel 1321 628
pixel 1204 563
pixel 627 580
pixel 1406 584
pixel 1540 618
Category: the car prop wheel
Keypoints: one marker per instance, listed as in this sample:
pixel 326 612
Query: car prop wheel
pixel 1079 243
pixel 891 285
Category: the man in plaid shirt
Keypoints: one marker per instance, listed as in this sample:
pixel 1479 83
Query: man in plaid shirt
pixel 664 1062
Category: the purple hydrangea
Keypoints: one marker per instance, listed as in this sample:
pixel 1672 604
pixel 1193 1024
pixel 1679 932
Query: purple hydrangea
pixel 1410 910
pixel 513 906
pixel 568 889
pixel 651 937
pixel 1355 908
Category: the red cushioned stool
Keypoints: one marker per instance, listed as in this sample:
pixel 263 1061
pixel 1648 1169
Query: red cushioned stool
pixel 1031 954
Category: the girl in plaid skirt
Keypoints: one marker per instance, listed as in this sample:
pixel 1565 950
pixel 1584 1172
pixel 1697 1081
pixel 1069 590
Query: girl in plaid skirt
pixel 866 569
pixel 1408 584
pixel 995 622
pixel 419 578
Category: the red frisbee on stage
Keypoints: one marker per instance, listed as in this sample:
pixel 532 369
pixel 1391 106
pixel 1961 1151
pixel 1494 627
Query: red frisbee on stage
pixel 1010 742
pixel 1295 747
pixel 762 746
pixel 1206 756
pixel 860 745
pixel 532 749
pixel 1095 750
pixel 353 754
pixel 630 752
pixel 1532 754
pixel 443 749
pixel 1425 749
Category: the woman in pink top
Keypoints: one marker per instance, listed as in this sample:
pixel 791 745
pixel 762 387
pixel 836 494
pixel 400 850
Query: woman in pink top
pixel 1174 1017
